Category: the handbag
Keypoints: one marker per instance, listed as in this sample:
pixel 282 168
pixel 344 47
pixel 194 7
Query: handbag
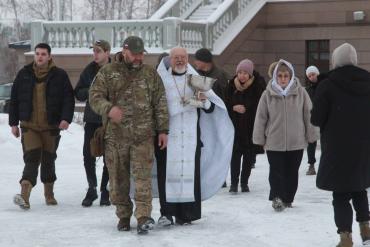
pixel 97 142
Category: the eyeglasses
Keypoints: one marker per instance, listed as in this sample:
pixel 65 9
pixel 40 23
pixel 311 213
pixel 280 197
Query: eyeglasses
pixel 98 42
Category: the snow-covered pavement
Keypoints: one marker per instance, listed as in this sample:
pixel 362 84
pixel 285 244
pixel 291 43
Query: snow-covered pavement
pixel 245 219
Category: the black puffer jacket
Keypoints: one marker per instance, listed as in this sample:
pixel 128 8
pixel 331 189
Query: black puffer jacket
pixel 60 101
pixel 341 108
pixel 244 123
pixel 82 91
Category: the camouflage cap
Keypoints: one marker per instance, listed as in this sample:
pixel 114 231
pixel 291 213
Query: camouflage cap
pixel 102 44
pixel 134 44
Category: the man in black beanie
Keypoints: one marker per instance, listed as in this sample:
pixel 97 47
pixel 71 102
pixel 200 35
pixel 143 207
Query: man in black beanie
pixel 205 67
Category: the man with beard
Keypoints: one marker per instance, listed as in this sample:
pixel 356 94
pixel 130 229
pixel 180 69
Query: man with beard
pixel 131 95
pixel 195 163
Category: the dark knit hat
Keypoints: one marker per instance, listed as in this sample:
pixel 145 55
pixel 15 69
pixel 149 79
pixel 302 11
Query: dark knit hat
pixel 203 55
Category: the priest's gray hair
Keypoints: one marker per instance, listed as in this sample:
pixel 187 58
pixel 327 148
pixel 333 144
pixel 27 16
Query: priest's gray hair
pixel 177 48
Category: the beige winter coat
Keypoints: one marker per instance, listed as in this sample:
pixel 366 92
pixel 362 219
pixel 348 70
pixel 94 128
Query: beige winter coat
pixel 283 123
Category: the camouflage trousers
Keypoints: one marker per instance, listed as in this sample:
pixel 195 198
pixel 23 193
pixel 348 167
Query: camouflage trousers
pixel 39 146
pixel 123 158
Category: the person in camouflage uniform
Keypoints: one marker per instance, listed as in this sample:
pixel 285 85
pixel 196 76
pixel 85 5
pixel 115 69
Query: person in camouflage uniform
pixel 132 96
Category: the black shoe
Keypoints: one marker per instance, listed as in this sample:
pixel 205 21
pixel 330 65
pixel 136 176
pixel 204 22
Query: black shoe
pixel 311 170
pixel 244 188
pixel 224 185
pixel 124 225
pixel 91 196
pixel 288 204
pixel 233 188
pixel 144 224
pixel 104 198
pixel 182 222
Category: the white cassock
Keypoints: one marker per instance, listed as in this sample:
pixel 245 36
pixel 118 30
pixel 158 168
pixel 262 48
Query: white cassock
pixel 217 136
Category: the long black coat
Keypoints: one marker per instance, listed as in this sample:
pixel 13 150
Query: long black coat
pixel 244 123
pixel 60 101
pixel 341 108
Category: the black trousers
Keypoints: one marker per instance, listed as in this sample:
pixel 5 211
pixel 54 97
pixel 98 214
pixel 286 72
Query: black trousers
pixel 343 213
pixel 249 158
pixel 90 161
pixel 311 149
pixel 283 175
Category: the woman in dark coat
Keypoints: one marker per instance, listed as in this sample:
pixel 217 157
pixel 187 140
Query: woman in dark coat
pixel 341 109
pixel 242 96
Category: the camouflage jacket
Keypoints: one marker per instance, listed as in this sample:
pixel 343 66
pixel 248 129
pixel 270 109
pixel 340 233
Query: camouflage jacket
pixel 139 93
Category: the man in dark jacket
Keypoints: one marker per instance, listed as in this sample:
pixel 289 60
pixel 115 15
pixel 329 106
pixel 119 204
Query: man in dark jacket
pixel 101 49
pixel 205 66
pixel 342 111
pixel 42 101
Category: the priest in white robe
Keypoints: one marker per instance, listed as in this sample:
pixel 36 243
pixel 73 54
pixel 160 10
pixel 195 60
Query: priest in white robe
pixel 195 163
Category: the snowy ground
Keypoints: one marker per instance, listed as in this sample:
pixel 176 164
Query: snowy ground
pixel 228 220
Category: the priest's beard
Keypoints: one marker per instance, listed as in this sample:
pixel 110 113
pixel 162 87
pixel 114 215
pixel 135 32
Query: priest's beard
pixel 180 69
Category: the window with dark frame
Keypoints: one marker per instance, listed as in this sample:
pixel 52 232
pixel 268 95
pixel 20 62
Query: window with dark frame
pixel 318 54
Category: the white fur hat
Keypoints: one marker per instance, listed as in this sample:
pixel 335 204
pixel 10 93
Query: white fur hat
pixel 344 54
pixel 312 69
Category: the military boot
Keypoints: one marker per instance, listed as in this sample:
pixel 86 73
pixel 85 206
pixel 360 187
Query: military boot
pixel 23 199
pixel 49 194
pixel 345 239
pixel 365 232
pixel 144 224
pixel 91 196
pixel 124 225
pixel 104 198
pixel 311 170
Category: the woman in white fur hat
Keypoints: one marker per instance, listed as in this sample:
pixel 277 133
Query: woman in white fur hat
pixel 341 108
